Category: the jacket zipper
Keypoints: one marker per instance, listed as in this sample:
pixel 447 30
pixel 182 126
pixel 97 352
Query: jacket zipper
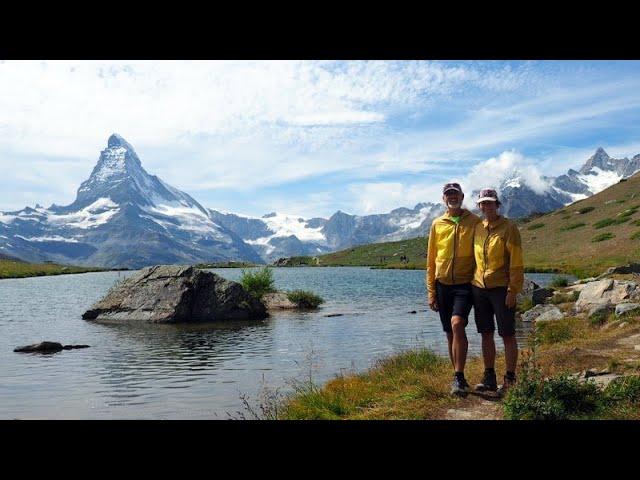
pixel 453 261
pixel 484 259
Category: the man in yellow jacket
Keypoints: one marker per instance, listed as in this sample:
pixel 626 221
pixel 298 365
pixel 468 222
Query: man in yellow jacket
pixel 450 267
pixel 498 278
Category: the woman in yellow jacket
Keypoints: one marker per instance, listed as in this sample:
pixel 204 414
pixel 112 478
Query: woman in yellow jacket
pixel 498 278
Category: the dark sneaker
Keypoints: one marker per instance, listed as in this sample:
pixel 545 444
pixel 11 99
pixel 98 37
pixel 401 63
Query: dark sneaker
pixel 488 383
pixel 508 383
pixel 459 387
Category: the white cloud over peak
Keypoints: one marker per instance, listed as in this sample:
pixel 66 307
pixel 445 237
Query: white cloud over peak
pixel 509 164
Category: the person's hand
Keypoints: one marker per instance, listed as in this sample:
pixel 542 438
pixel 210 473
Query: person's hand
pixel 433 304
pixel 510 301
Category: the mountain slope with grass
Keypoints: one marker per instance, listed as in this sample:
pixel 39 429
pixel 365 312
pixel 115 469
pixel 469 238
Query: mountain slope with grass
pixel 587 236
pixel 384 255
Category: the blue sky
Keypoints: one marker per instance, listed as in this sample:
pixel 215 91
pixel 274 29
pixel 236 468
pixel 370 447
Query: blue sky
pixel 310 138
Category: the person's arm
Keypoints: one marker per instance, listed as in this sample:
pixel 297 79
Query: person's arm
pixel 431 266
pixel 516 265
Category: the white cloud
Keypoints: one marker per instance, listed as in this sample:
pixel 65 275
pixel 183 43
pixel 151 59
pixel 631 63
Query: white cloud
pixel 508 164
pixel 204 125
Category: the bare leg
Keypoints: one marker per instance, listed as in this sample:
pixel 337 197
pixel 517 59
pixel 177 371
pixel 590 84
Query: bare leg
pixel 450 342
pixel 460 344
pixel 488 350
pixel 510 352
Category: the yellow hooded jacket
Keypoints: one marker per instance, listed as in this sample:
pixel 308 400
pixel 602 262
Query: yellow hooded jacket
pixel 450 252
pixel 498 253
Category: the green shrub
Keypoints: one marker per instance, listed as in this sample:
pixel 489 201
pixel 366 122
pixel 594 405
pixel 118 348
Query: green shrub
pixel 559 398
pixel 564 298
pixel 535 225
pixel 636 223
pixel 628 212
pixel 624 389
pixel 526 304
pixel 305 299
pixel 558 281
pixel 599 318
pixel 603 236
pixel 259 282
pixel 557 331
pixel 610 221
pixel 573 226
pixel 586 209
pixel 636 236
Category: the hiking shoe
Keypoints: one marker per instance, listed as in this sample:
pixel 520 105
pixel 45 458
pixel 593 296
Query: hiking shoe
pixel 508 383
pixel 488 382
pixel 459 387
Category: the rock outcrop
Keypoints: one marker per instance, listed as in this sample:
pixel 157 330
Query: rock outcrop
pixel 278 301
pixel 605 293
pixel 542 312
pixel 174 294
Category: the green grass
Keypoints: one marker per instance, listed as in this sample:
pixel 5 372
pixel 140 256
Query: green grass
pixel 628 212
pixel 526 304
pixel 584 210
pixel 635 236
pixel 636 223
pixel 602 237
pixel 559 282
pixel 535 226
pixel 380 255
pixel 558 331
pixel 258 282
pixel 573 226
pixel 305 299
pixel 610 221
pixel 13 269
pixel 564 297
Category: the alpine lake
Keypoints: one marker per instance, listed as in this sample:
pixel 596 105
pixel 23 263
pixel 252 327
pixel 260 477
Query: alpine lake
pixel 204 371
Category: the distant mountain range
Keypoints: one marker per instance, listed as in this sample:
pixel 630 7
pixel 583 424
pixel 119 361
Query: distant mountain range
pixel 124 217
pixel 599 172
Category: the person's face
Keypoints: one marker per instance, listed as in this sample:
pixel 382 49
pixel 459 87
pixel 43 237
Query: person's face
pixel 488 208
pixel 452 198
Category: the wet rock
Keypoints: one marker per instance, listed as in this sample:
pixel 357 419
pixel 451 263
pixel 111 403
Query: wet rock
pixel 539 295
pixel 334 314
pixel 47 347
pixel 174 293
pixel 278 301
pixel 413 311
pixel 44 347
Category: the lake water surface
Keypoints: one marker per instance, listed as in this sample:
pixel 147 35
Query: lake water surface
pixel 201 371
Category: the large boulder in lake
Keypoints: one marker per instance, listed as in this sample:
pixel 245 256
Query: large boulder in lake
pixel 173 294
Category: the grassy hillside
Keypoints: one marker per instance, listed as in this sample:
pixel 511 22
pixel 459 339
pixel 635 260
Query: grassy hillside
pixel 384 255
pixel 19 269
pixel 588 236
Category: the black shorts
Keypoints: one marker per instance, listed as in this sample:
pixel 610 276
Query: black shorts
pixel 453 300
pixel 488 302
